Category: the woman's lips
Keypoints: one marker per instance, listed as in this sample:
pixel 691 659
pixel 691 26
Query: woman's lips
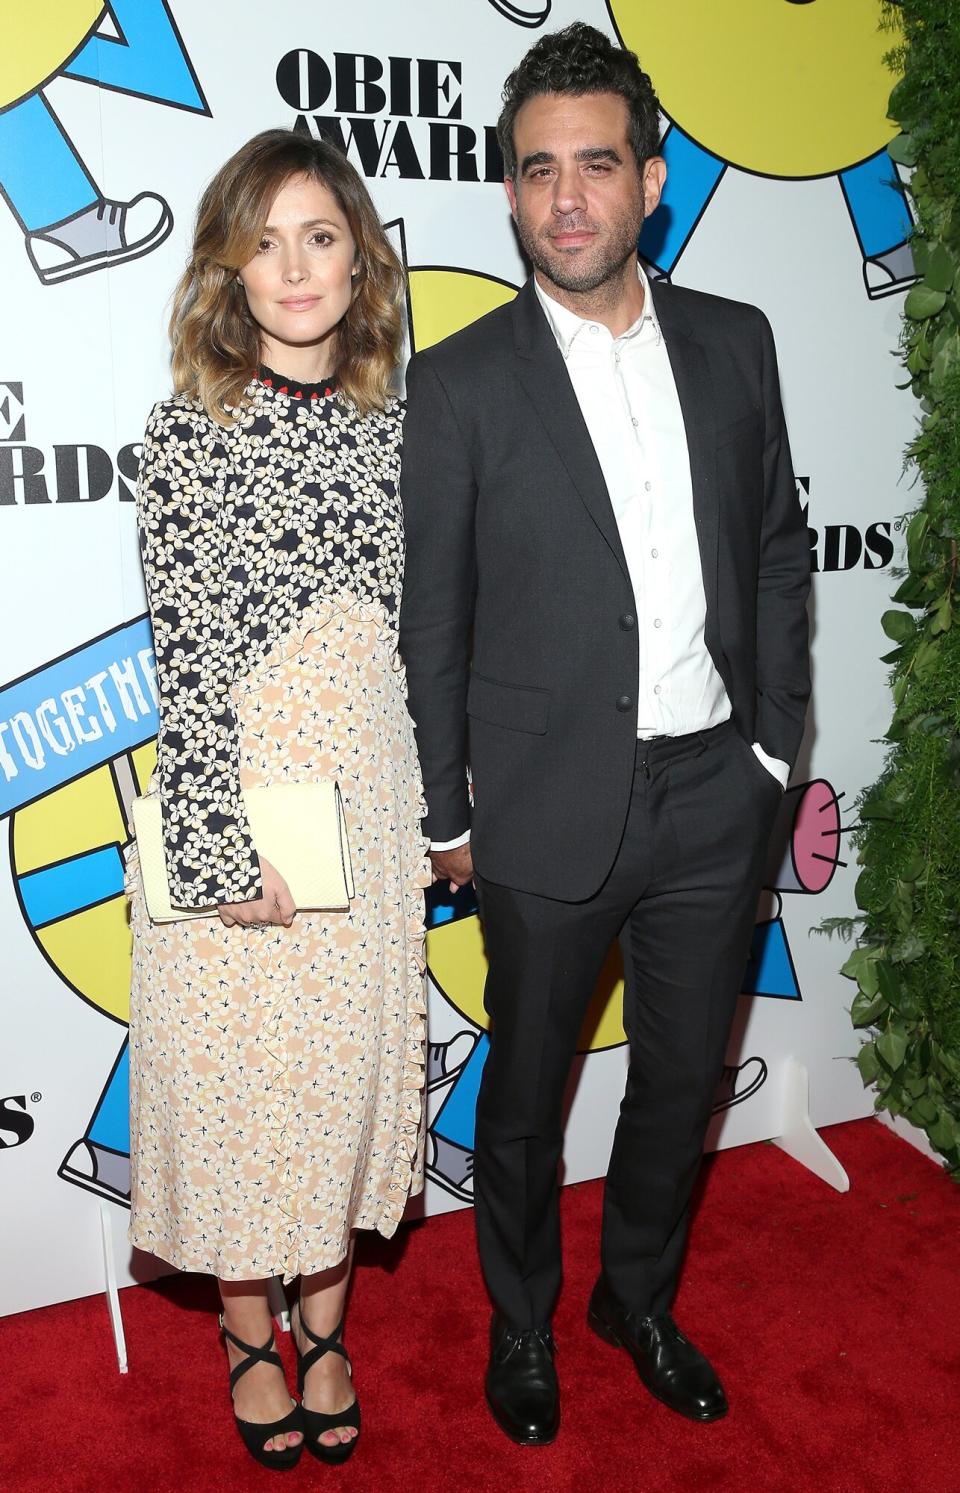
pixel 300 303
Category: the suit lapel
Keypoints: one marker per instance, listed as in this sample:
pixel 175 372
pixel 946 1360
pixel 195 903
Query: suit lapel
pixel 695 392
pixel 543 374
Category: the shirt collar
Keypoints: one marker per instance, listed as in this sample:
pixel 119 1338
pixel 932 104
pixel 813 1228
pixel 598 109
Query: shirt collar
pixel 567 326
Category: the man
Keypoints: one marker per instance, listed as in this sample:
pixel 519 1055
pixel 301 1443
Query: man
pixel 607 574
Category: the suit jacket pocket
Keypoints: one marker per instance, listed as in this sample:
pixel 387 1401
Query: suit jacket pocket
pixel 516 707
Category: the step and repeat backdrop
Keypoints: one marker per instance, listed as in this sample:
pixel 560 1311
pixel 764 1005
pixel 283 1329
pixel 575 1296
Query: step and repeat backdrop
pixel 112 118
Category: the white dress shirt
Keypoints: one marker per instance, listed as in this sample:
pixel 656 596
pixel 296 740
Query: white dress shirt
pixel 628 397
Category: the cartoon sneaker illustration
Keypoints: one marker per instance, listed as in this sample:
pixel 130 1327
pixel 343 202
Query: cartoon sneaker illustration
pixel 98 1170
pixel 450 1166
pixel 446 1059
pixel 885 274
pixel 739 1082
pixel 529 13
pixel 102 235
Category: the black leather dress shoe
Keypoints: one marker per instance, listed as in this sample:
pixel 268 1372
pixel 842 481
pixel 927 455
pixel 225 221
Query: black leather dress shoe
pixel 670 1366
pixel 521 1384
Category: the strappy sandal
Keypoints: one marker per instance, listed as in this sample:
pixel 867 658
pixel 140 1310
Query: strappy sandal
pixel 255 1433
pixel 316 1422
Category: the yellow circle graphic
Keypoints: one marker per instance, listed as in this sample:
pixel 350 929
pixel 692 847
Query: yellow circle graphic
pixel 444 301
pixel 458 967
pixel 38 40
pixel 778 88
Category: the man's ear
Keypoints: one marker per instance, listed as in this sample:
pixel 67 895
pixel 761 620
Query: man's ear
pixel 654 176
pixel 509 186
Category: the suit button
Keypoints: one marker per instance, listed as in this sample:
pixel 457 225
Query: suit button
pixel 628 621
pixel 624 703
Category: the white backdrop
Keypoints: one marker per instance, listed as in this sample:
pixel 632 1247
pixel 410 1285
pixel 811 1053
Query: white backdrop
pixel 104 103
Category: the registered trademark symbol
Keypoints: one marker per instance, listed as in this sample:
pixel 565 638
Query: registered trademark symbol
pixel 36 1096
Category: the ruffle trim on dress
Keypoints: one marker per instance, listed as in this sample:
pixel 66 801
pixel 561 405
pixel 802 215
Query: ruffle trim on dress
pixel 406 1178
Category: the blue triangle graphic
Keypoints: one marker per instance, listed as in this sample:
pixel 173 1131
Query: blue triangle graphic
pixel 150 61
pixel 770 968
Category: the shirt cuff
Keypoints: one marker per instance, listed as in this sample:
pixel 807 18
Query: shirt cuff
pixel 779 770
pixel 450 844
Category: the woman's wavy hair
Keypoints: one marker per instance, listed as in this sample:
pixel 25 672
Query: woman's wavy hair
pixel 216 342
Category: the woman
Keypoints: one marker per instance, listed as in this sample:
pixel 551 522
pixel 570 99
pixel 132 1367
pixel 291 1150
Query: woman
pixel 277 1055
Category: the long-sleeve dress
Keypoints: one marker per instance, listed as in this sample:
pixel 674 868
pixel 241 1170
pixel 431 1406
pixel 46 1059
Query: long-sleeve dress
pixel 276 1073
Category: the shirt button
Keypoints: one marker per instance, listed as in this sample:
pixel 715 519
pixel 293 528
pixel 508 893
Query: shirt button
pixel 657 622
pixel 647 486
pixel 635 420
pixel 624 703
pixel 656 689
pixel 655 554
pixel 594 330
pixel 627 621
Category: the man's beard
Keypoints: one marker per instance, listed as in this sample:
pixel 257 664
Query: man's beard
pixel 587 269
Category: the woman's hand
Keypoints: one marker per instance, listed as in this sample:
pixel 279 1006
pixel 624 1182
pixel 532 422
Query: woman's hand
pixel 275 906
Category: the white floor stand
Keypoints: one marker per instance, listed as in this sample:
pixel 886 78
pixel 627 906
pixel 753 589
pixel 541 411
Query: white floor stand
pixel 277 1300
pixel 110 1286
pixel 798 1137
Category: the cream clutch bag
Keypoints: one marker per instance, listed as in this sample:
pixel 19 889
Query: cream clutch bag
pixel 299 827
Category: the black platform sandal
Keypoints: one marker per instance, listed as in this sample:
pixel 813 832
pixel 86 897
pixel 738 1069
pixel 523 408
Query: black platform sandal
pixel 255 1433
pixel 315 1422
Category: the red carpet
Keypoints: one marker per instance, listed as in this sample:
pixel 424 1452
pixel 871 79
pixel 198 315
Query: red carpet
pixel 834 1321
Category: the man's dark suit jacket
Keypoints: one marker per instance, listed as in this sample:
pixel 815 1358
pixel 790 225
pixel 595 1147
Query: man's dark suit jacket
pixel 518 615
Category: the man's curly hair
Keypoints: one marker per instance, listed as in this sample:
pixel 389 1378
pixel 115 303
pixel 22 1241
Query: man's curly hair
pixel 578 60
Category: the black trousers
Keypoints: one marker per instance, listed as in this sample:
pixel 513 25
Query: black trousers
pixel 681 898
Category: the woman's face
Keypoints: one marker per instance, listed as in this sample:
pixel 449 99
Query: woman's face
pixel 300 281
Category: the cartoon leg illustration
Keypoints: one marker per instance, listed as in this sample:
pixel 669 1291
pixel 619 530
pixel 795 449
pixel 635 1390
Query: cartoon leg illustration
pixel 804 854
pixel 693 175
pixel 70 227
pixel 100 1160
pixel 882 223
pixel 67 786
pixel 450 1163
pixel 803 93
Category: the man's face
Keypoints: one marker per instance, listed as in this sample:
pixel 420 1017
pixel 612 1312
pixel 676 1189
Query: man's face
pixel 579 201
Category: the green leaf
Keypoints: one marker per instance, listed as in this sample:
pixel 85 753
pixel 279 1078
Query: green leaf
pixel 867 1063
pixel 879 808
pixel 922 302
pixel 899 626
pixel 903 150
pixel 866 1009
pixel 891 1048
pixel 889 984
pixel 941 267
pixel 924 1111
pixel 917 531
pixel 925 658
pixel 905 950
pixel 943 1132
pixel 943 615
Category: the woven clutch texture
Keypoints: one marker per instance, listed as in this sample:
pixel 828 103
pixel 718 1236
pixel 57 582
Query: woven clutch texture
pixel 299 828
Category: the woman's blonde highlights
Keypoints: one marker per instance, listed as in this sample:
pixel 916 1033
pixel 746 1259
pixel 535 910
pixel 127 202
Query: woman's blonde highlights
pixel 215 340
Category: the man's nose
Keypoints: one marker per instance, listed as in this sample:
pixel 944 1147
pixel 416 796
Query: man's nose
pixel 568 193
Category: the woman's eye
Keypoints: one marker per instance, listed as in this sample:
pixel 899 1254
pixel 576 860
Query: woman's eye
pixel 321 239
pixel 263 246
